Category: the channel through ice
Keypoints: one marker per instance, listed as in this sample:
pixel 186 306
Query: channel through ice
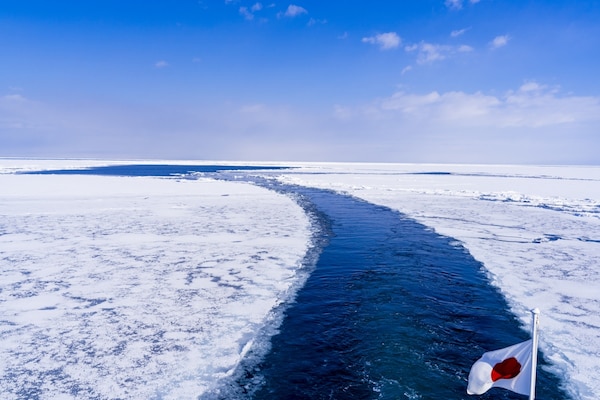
pixel 138 287
pixel 535 229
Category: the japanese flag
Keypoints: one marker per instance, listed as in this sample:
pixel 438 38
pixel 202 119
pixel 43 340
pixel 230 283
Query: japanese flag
pixel 508 368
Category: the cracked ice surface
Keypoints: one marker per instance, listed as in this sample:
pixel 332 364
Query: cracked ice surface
pixel 116 287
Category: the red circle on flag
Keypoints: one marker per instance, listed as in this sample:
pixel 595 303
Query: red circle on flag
pixel 506 369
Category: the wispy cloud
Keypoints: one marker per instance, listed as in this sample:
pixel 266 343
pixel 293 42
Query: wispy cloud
pixel 532 105
pixel 458 4
pixel 248 13
pixel 453 4
pixel 314 21
pixel 293 11
pixel 12 98
pixel 161 64
pixel 458 32
pixel 428 53
pixel 385 41
pixel 499 41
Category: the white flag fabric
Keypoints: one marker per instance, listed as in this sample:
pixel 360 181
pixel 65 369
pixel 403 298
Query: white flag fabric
pixel 508 368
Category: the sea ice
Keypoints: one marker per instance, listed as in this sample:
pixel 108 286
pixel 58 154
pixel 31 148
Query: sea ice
pixel 128 287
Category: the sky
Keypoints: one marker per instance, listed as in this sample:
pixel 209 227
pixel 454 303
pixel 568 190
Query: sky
pixel 427 81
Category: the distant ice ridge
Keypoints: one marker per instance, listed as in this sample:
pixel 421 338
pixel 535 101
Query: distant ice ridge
pixel 535 229
pixel 136 288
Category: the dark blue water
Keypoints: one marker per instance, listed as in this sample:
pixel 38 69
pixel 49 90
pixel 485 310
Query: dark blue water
pixel 391 311
pixel 153 170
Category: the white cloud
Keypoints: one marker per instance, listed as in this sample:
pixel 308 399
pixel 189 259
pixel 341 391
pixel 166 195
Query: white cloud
pixel 499 41
pixel 459 32
pixel 531 106
pixel 451 106
pixel 458 4
pixel 420 126
pixel 406 69
pixel 453 4
pixel 432 52
pixel 13 98
pixel 161 64
pixel 246 13
pixel 385 41
pixel 531 124
pixel 293 11
pixel 428 53
pixel 532 87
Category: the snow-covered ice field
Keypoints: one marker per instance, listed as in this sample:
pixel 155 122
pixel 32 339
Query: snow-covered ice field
pixel 137 288
pixel 535 229
pixel 149 287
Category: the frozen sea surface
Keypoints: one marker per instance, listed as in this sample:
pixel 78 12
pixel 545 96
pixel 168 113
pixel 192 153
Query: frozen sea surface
pixel 71 327
pixel 535 229
pixel 137 288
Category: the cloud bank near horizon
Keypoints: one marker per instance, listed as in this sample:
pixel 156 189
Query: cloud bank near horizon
pixel 418 126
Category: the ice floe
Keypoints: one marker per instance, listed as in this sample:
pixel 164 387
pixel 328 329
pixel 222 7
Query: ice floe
pixel 127 287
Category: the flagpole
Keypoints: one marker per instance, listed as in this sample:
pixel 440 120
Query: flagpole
pixel 534 346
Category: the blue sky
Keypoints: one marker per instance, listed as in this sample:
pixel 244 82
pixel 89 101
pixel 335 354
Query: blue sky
pixel 391 81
